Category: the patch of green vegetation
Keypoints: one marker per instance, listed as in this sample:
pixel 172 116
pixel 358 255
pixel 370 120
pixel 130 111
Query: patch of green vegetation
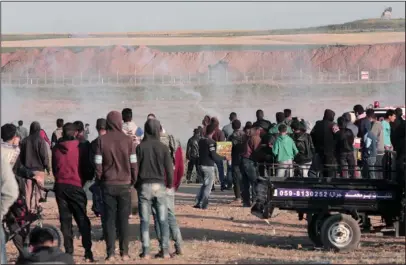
pixel 17 37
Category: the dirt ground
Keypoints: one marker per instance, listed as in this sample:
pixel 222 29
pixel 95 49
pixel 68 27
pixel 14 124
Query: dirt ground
pixel 304 39
pixel 226 233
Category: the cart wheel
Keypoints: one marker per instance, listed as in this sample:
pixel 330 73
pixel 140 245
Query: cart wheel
pixel 314 224
pixel 340 232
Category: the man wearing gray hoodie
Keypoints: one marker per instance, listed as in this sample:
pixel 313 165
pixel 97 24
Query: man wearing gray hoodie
pixel 9 194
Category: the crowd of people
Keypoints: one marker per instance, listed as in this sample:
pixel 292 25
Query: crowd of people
pixel 125 156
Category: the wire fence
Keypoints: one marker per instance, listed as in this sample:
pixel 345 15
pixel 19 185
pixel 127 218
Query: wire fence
pixel 224 76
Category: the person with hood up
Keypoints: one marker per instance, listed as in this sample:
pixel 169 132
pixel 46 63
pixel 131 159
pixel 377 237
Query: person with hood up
pixel 129 126
pixel 42 250
pixel 205 122
pixel 192 155
pixel 208 159
pixel 285 151
pixel 348 119
pixel 22 132
pixel 288 117
pixel 325 145
pixel 369 153
pixel 238 139
pixel 305 147
pixel 116 170
pixel 261 123
pixel 345 149
pixel 70 165
pixel 34 156
pixel 155 180
pixel 218 136
pixel 280 119
pixel 57 134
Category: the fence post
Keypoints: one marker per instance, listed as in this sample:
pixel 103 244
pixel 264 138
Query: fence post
pixel 153 76
pixel 358 73
pixel 226 76
pixel 28 78
pixel 163 79
pixel 81 77
pixel 189 77
pixel 339 74
pixel 117 77
pixel 263 73
pixel 281 74
pixel 301 73
pixel 45 79
pixel 9 78
pixel 63 78
pixel 398 73
pixel 377 74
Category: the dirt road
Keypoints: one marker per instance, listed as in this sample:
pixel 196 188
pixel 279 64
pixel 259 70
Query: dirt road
pixel 226 233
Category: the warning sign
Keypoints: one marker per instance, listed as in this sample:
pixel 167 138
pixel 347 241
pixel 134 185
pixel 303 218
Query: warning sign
pixel 364 75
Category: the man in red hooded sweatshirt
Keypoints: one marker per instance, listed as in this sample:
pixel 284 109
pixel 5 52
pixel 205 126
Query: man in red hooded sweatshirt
pixel 70 171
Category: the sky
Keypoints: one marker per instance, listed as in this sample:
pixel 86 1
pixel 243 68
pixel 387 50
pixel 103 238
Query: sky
pixel 82 17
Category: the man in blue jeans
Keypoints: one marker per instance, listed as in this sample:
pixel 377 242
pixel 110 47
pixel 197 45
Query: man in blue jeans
pixel 155 171
pixel 208 158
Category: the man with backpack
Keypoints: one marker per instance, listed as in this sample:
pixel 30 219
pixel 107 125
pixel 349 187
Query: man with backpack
pixel 304 145
pixel 192 155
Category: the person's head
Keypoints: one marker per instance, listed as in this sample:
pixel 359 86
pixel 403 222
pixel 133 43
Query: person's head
pixel 35 128
pixel 398 112
pixel 101 126
pixel 233 116
pixel 342 123
pixel 287 113
pixel 259 114
pixel 87 125
pixel 206 120
pixel 151 116
pixel 20 123
pixel 9 134
pixel 69 131
pixel 59 123
pixel 236 125
pixel 329 115
pixel 41 237
pixel 280 117
pixel 283 129
pixel 358 110
pixel 347 117
pixel 152 130
pixel 210 129
pixel 127 115
pixel 80 128
pixel 302 126
pixel 390 115
pixel 200 130
pixel 196 132
pixel 295 125
pixel 370 113
pixel 215 121
pixel 114 121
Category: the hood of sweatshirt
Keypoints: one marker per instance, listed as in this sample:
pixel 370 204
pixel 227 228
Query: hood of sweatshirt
pixel 329 115
pixel 35 128
pixel 65 145
pixel 47 254
pixel 152 130
pixel 114 121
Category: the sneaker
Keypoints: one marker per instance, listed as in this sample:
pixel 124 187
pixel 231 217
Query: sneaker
pixel 125 258
pixel 197 206
pixel 178 252
pixel 110 259
pixel 162 255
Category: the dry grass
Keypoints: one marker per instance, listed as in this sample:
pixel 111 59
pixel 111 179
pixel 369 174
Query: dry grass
pixel 299 39
pixel 229 234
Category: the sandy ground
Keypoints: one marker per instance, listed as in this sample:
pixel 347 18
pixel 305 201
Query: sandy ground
pixel 297 39
pixel 227 233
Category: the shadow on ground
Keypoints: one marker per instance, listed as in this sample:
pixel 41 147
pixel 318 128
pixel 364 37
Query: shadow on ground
pixel 274 261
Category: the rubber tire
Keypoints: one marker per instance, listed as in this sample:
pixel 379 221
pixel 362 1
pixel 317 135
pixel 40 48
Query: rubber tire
pixel 56 232
pixel 341 218
pixel 314 235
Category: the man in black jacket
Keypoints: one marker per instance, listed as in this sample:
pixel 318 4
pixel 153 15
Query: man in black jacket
pixel 192 154
pixel 116 169
pixel 155 175
pixel 304 144
pixel 345 148
pixel 325 144
pixel 265 125
pixel 43 252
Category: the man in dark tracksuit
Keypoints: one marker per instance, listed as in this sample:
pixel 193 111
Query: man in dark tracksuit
pixel 116 169
pixel 325 143
pixel 155 162
pixel 192 154
pixel 70 163
pixel 238 139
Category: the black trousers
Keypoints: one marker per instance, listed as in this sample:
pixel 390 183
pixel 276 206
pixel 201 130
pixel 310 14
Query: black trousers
pixel 237 180
pixel 72 202
pixel 347 164
pixel 193 163
pixel 329 162
pixel 117 208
